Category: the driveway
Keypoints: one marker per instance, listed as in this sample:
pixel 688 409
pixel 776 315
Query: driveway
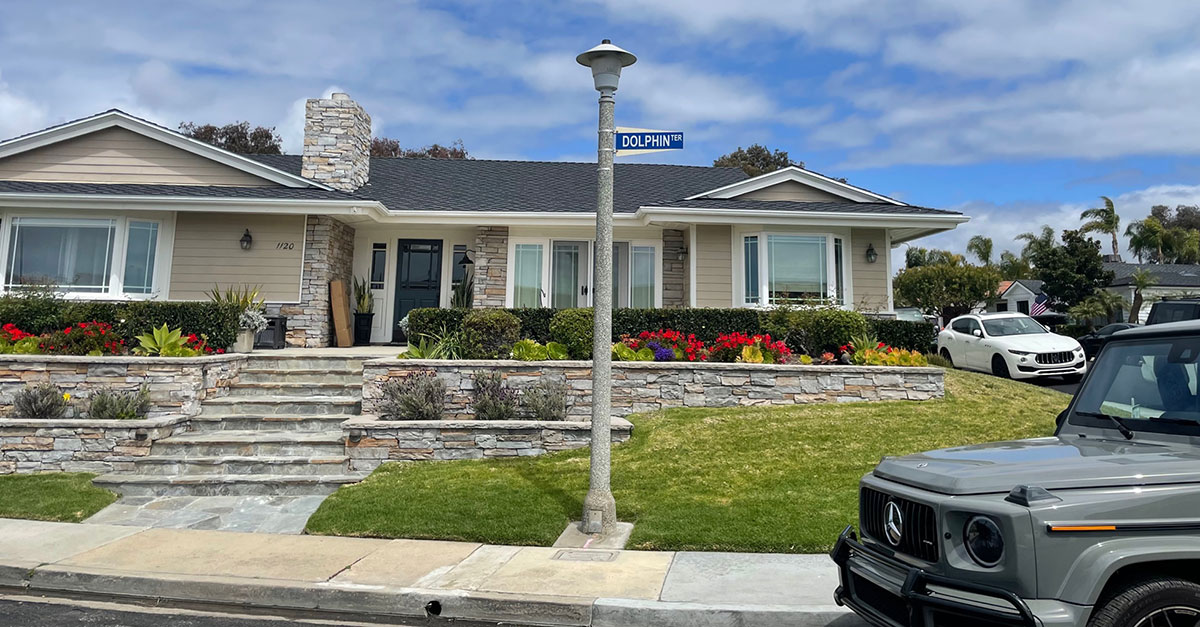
pixel 1055 383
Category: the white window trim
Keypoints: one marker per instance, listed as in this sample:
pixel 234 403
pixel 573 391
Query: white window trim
pixel 737 248
pixel 547 244
pixel 164 250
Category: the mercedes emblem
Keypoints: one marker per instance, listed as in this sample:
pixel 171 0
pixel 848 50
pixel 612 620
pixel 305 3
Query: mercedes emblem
pixel 893 523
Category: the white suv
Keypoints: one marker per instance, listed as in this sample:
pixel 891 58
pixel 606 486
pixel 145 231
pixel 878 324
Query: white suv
pixel 1010 345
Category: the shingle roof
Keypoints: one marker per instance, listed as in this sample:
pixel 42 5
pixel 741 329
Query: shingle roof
pixel 182 191
pixel 536 186
pixel 1167 274
pixel 846 206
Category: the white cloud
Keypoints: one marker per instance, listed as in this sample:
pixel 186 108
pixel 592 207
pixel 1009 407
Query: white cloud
pixel 18 115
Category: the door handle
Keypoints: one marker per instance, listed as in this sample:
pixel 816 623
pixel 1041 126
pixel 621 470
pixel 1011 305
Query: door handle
pixel 583 290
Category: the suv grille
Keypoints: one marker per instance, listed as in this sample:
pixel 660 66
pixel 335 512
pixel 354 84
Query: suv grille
pixel 920 537
pixel 1064 357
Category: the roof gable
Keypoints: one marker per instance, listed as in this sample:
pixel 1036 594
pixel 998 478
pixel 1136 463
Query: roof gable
pixel 806 178
pixel 101 141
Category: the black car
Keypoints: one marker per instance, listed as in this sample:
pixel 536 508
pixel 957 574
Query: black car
pixel 1092 342
pixel 1174 310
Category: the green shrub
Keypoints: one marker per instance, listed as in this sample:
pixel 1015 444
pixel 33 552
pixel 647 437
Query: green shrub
pixel 42 401
pixel 535 322
pixel 219 322
pixel 934 359
pixel 414 396
pixel 705 323
pixel 814 330
pixel 573 328
pixel 492 399
pixel 78 311
pixel 441 345
pixel 490 333
pixel 107 404
pixel 546 400
pixel 529 350
pixel 427 321
pixel 34 309
pixel 916 336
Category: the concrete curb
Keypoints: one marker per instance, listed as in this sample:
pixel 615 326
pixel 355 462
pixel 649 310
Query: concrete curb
pixel 410 603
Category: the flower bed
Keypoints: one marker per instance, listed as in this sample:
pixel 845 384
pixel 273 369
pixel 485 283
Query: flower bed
pixel 80 445
pixel 372 442
pixel 649 386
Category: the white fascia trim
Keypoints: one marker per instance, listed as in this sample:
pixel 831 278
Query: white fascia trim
pixel 806 218
pixel 123 120
pixel 183 203
pixel 799 175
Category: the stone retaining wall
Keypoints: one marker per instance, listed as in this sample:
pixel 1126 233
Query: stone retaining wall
pixel 177 385
pixel 649 386
pixel 372 442
pixel 80 445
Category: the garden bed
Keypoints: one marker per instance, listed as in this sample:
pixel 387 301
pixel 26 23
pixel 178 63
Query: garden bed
pixel 372 442
pixel 651 386
pixel 80 445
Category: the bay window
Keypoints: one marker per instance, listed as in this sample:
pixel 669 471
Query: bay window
pixel 83 256
pixel 782 268
pixel 558 273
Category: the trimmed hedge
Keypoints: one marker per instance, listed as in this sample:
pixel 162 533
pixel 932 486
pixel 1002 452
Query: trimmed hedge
pixel 814 331
pixel 573 328
pixel 490 333
pixel 906 334
pixel 429 321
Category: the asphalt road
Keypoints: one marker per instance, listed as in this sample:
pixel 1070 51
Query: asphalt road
pixel 1055 383
pixel 18 611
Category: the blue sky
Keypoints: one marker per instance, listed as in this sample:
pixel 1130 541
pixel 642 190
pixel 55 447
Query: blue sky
pixel 1015 112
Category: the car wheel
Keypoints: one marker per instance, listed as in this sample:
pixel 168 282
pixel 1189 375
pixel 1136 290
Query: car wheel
pixel 1160 601
pixel 1000 367
pixel 946 356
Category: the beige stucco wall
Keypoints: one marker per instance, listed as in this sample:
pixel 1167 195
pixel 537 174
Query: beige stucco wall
pixel 869 280
pixel 207 252
pixel 116 155
pixel 791 190
pixel 714 266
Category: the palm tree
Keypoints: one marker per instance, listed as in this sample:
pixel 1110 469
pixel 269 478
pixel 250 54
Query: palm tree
pixel 1013 267
pixel 1141 279
pixel 981 247
pixel 1038 242
pixel 1111 302
pixel 1086 312
pixel 1103 220
pixel 1146 239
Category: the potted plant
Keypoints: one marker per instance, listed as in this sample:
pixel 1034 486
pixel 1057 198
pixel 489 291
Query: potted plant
pixel 251 319
pixel 364 314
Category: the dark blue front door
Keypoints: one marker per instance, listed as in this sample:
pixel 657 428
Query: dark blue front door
pixel 418 278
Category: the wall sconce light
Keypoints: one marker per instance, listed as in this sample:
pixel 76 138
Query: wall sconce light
pixel 871 254
pixel 246 240
pixel 465 259
pixel 682 253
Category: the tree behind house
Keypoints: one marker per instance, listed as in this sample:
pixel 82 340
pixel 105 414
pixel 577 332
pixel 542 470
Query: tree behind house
pixel 236 137
pixel 387 147
pixel 756 160
pixel 1071 272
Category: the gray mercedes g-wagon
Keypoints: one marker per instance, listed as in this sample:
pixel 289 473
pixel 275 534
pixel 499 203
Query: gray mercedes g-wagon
pixel 1096 526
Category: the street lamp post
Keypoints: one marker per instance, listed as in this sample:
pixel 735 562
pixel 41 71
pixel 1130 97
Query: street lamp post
pixel 599 508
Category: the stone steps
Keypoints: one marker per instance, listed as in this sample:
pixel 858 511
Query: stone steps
pixel 281 405
pixel 299 375
pixel 295 388
pixel 327 423
pixel 225 485
pixel 241 465
pixel 251 443
pixel 287 363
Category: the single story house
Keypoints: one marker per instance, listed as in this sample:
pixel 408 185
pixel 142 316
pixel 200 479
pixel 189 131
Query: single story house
pixel 1016 296
pixel 116 207
pixel 1170 280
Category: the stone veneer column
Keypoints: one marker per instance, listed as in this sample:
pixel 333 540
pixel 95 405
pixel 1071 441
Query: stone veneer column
pixel 328 255
pixel 674 274
pixel 491 266
pixel 337 143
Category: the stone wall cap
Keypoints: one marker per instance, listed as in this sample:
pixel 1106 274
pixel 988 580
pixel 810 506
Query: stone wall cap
pixel 122 359
pixel 372 422
pixel 76 423
pixel 650 365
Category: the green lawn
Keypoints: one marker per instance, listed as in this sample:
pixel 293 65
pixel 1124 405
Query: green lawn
pixel 58 496
pixel 777 479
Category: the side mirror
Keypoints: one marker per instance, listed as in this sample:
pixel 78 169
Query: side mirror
pixel 976 332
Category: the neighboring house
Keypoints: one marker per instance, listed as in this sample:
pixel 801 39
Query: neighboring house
pixel 112 206
pixel 1171 279
pixel 1015 296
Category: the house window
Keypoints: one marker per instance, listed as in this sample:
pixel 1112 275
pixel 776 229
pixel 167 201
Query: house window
pixel 378 265
pixel 1023 306
pixel 558 273
pixel 75 254
pixel 527 275
pixel 798 268
pixel 458 271
pixel 641 276
pixel 141 245
pixel 1001 306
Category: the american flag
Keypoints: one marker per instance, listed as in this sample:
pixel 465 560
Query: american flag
pixel 1039 305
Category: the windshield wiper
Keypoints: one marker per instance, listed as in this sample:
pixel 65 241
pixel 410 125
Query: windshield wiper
pixel 1178 421
pixel 1125 431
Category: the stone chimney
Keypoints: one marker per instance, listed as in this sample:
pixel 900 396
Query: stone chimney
pixel 337 142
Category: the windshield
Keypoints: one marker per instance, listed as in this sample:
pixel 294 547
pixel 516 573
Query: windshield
pixel 1147 381
pixel 1012 326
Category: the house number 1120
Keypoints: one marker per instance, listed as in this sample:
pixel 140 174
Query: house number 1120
pixel 285 245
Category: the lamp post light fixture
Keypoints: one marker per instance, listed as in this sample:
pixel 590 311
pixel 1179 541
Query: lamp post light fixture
pixel 599 507
pixel 871 254
pixel 465 259
pixel 246 240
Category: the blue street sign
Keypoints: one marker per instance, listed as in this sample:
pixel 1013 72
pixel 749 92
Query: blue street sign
pixel 650 140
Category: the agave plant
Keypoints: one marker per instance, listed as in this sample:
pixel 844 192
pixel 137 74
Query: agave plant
pixel 164 342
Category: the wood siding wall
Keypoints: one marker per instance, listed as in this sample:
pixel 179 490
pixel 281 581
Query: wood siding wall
pixel 207 252
pixel 116 155
pixel 869 280
pixel 714 266
pixel 791 190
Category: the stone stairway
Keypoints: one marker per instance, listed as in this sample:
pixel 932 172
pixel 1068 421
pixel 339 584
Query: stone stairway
pixel 277 433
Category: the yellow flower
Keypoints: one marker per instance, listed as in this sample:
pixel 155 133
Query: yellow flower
pixel 66 396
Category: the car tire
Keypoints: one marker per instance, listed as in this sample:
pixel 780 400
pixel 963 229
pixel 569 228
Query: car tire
pixel 1137 604
pixel 947 357
pixel 1000 367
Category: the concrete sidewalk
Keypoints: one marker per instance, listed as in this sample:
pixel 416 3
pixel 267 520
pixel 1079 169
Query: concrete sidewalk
pixel 415 578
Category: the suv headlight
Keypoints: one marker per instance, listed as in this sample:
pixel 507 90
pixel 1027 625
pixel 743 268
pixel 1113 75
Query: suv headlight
pixel 984 541
pixel 1017 352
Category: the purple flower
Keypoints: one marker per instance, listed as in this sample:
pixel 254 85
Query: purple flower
pixel 661 353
